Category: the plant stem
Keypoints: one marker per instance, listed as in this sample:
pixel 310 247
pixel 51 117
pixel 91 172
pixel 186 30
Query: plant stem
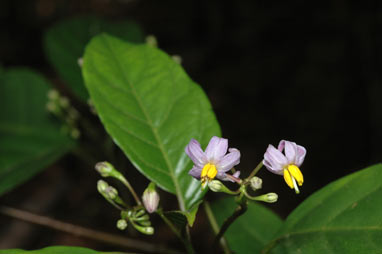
pixel 215 226
pixel 254 172
pixel 132 191
pixel 240 210
pixel 186 241
pixel 85 232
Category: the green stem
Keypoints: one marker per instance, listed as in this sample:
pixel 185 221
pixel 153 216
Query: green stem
pixel 132 191
pixel 215 226
pixel 186 242
pixel 254 172
pixel 240 210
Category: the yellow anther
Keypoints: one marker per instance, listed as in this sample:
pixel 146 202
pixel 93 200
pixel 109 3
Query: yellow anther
pixel 209 172
pixel 296 173
pixel 288 178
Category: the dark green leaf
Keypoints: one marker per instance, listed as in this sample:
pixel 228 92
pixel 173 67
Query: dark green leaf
pixel 65 43
pixel 152 109
pixel 251 231
pixel 181 218
pixel 343 217
pixel 58 250
pixel 29 139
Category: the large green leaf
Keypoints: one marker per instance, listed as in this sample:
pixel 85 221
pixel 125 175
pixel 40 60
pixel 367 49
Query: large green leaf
pixel 65 43
pixel 29 139
pixel 152 109
pixel 57 250
pixel 251 231
pixel 343 217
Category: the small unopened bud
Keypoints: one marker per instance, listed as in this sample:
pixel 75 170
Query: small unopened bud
pixel 102 186
pixel 145 223
pixel 64 102
pixel 75 133
pixel 51 107
pixel 256 183
pixel 111 192
pixel 150 198
pixel 177 59
pixel 152 41
pixel 122 224
pixel 272 197
pixel 269 197
pixel 143 229
pixel 215 185
pixel 80 61
pixel 53 94
pixel 104 168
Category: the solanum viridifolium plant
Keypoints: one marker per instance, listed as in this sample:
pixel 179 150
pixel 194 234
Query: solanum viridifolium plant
pixel 165 126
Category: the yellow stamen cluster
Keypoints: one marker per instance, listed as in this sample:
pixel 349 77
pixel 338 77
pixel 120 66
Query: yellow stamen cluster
pixel 292 174
pixel 209 172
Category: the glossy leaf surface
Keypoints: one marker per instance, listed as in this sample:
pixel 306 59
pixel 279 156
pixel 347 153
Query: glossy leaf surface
pixel 251 231
pixel 343 217
pixel 30 139
pixel 152 109
pixel 65 43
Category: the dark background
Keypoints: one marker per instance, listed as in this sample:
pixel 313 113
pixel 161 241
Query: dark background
pixel 289 70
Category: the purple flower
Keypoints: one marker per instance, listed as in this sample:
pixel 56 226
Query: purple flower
pixel 214 161
pixel 287 163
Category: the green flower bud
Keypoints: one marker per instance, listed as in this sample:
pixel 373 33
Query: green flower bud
pixel 64 102
pixel 144 229
pixel 102 186
pixel 150 198
pixel 80 61
pixel 53 94
pixel 269 197
pixel 140 212
pixel 122 224
pixel 145 223
pixel 142 218
pixel 111 192
pixel 256 183
pixel 215 185
pixel 152 41
pixel 177 59
pixel 104 168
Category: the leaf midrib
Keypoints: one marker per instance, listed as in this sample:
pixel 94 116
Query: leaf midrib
pixel 155 132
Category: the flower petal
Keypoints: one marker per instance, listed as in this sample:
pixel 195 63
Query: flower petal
pixel 301 152
pixel 195 172
pixel 229 160
pixel 196 154
pixel 281 146
pixel 274 160
pixel 216 148
pixel 290 151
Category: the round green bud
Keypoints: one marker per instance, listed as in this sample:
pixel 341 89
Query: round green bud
pixel 256 183
pixel 122 224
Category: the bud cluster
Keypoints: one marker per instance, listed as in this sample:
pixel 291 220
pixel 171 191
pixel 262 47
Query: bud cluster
pixel 138 218
pixel 136 215
pixel 60 107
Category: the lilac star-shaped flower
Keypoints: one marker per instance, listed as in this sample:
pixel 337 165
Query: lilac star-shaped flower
pixel 214 161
